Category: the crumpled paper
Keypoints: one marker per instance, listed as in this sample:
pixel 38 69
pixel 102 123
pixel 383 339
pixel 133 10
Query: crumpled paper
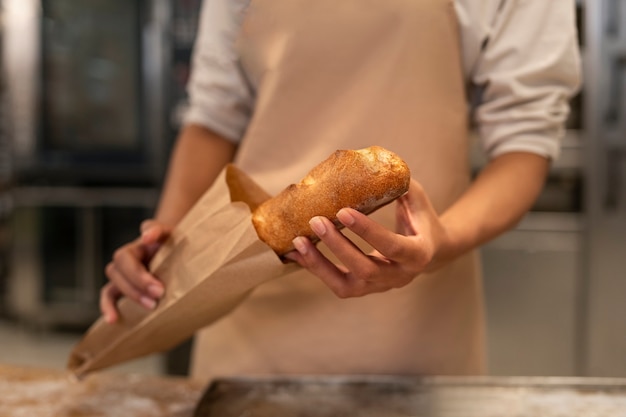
pixel 212 261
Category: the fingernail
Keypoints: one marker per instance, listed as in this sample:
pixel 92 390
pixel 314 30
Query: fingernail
pixel 345 217
pixel 300 245
pixel 155 291
pixel 318 226
pixel 148 303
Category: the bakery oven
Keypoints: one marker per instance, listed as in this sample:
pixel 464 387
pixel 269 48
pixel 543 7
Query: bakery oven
pixel 86 94
pixel 86 85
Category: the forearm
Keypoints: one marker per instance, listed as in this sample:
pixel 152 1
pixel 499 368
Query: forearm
pixel 198 157
pixel 496 201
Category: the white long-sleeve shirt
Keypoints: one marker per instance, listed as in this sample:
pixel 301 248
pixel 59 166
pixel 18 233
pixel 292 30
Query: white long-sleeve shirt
pixel 520 57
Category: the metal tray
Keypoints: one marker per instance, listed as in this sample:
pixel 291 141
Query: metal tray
pixel 414 397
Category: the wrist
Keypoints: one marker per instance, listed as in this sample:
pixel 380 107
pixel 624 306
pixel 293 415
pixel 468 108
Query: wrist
pixel 453 243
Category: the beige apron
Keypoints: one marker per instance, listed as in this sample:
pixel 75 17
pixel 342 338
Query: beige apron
pixel 346 74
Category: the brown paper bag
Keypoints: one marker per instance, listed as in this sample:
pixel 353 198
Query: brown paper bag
pixel 211 262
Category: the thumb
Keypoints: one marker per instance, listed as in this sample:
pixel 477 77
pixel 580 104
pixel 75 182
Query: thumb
pixel 414 210
pixel 153 232
pixel 416 199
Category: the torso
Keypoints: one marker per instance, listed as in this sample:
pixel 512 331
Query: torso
pixel 338 75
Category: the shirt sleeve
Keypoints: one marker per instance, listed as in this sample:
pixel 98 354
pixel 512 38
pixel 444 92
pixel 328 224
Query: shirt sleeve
pixel 220 98
pixel 526 73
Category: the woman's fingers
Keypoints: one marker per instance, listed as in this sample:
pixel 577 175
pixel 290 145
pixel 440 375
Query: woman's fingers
pixel 128 273
pixel 340 282
pixel 129 277
pixel 344 249
pixel 309 257
pixel 343 283
pixel 393 246
pixel 109 294
pixel 397 258
pixel 128 262
pixel 360 274
pixel 128 288
pixel 153 232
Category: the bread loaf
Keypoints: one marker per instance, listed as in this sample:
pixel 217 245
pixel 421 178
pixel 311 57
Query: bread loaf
pixel 364 180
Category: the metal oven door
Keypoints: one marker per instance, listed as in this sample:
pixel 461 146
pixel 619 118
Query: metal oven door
pixel 86 83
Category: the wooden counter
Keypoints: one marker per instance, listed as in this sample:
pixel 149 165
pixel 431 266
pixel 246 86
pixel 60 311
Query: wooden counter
pixel 30 392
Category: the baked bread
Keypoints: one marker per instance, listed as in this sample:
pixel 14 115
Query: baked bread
pixel 364 180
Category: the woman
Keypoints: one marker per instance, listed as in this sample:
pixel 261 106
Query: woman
pixel 279 85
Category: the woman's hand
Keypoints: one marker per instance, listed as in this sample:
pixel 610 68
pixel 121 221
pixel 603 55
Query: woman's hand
pixel 128 273
pixel 420 244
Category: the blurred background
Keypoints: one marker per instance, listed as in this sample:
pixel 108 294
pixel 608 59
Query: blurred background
pixel 91 94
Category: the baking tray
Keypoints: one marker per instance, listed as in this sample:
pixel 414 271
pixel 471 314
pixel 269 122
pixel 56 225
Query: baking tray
pixel 414 397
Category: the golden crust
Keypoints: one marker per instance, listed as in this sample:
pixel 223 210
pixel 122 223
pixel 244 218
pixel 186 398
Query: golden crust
pixel 364 180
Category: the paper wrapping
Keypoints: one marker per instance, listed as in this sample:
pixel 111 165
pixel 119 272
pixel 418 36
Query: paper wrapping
pixel 211 262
